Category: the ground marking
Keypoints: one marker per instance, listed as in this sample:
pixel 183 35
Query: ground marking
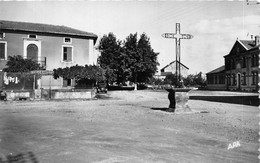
pixel 234 145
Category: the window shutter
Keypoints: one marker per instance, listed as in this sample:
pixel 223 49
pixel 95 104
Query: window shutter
pixel 2 50
pixel 69 54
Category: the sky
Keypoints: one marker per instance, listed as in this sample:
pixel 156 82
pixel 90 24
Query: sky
pixel 215 25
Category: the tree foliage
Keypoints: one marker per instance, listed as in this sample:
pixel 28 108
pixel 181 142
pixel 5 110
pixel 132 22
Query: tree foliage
pixel 194 80
pixel 171 79
pixel 78 73
pixel 19 64
pixel 133 60
pixel 148 59
pixel 112 58
pixel 190 80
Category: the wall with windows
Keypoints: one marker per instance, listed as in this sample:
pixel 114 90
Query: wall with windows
pixel 65 54
pixel 59 51
pixel 216 81
pixel 243 75
pixel 10 45
pixel 76 50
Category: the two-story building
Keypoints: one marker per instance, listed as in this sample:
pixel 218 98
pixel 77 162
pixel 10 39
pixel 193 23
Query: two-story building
pixel 241 68
pixel 52 46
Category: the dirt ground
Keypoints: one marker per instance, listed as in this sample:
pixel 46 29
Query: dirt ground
pixel 129 127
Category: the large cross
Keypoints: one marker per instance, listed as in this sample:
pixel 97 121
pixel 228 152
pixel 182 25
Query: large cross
pixel 178 36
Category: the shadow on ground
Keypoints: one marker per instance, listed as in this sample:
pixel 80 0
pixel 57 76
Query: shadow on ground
pixel 243 100
pixel 103 96
pixel 28 157
pixel 162 109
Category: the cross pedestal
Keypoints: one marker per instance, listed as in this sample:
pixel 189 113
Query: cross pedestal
pixel 178 98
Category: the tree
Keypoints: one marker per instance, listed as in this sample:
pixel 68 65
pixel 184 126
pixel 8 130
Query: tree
pixel 171 79
pixel 199 80
pixel 131 50
pixel 112 58
pixel 19 64
pixel 142 60
pixel 133 60
pixel 194 80
pixel 148 59
pixel 188 81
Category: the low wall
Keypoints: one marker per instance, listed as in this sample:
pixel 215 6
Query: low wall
pixel 51 94
pixel 244 88
pixel 18 95
pixel 71 95
pixel 220 87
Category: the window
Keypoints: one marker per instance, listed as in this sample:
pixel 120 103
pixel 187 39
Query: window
pixel 2 35
pixel 215 79
pixel 67 54
pixel 234 79
pixel 228 64
pixel 254 60
pixel 3 50
pixel 67 40
pixel 32 36
pixel 244 62
pixel 228 80
pixel 254 78
pixel 222 79
pixel 244 78
pixel 233 64
pixel 210 79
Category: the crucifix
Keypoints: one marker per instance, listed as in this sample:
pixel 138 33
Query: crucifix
pixel 178 36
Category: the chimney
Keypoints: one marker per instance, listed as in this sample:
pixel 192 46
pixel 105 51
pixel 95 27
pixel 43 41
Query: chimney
pixel 257 40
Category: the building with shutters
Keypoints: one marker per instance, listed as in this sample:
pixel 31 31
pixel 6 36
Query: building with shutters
pixel 241 69
pixel 52 46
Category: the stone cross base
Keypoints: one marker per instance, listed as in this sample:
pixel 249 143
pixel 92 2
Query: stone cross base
pixel 178 98
pixel 182 102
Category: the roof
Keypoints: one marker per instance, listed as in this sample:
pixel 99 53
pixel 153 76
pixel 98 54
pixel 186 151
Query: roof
pixel 256 48
pixel 44 28
pixel 173 62
pixel 248 44
pixel 217 70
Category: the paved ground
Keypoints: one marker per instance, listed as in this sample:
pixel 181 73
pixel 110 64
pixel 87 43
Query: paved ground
pixel 123 127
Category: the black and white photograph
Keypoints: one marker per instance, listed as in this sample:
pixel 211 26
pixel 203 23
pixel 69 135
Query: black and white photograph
pixel 129 81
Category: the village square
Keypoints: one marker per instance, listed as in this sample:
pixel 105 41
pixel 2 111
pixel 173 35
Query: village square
pixel 75 92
